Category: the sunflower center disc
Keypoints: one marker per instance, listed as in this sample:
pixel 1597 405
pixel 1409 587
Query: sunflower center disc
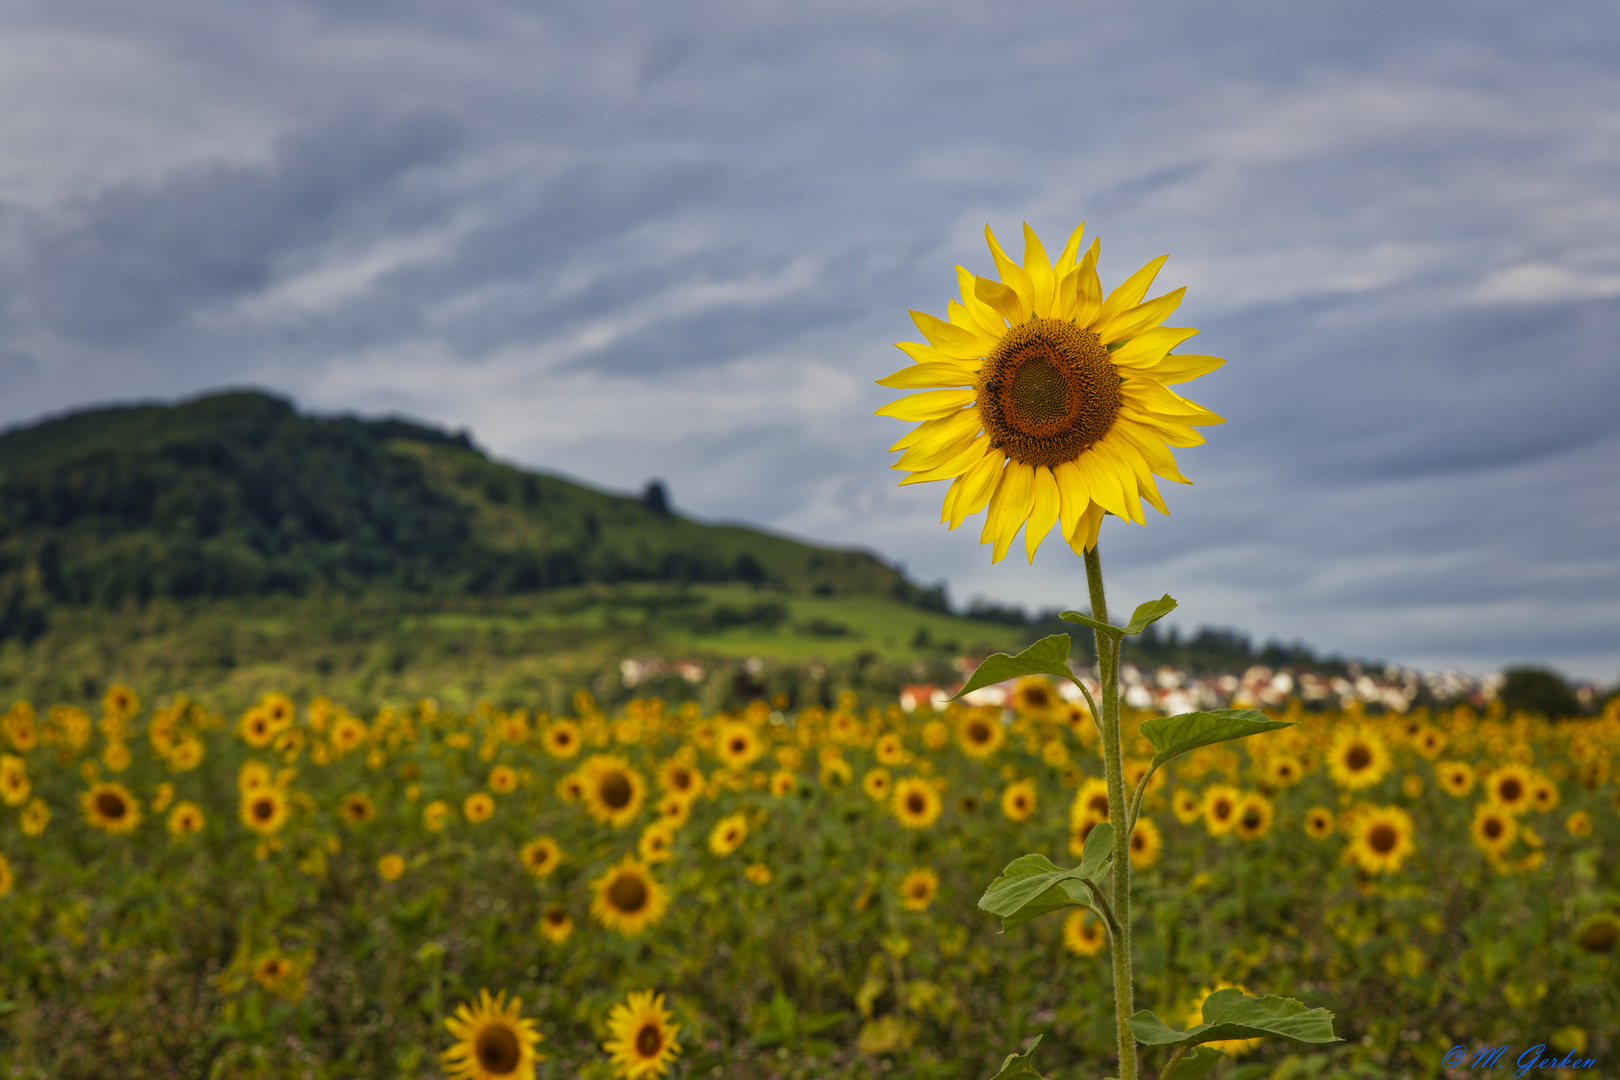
pixel 1358 758
pixel 1047 391
pixel 648 1041
pixel 615 790
pixel 628 894
pixel 498 1050
pixel 1382 839
pixel 1493 828
pixel 110 805
pixel 1510 790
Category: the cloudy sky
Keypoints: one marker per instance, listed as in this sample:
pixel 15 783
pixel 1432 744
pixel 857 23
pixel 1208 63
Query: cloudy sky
pixel 618 241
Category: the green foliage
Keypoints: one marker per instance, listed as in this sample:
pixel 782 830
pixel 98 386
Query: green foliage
pixel 1232 1014
pixel 1537 690
pixel 1032 885
pixel 1048 656
pixel 1198 1061
pixel 1175 735
pixel 1017 1066
pixel 1144 616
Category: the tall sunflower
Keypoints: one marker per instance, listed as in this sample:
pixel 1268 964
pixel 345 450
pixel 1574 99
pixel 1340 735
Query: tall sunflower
pixel 1046 402
pixel 493 1041
pixel 642 1037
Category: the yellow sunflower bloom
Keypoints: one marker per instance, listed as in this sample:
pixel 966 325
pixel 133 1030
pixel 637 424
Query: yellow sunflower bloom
pixel 1493 828
pixel 627 898
pixel 981 734
pixel 1084 933
pixel 1359 758
pixel 540 856
pixel 186 818
pixel 1045 402
pixel 1018 800
pixel 1090 802
pixel 1457 777
pixel 1146 843
pixel 728 834
pixel 918 889
pixel 1319 823
pixel 1187 806
pixel 555 924
pixel 111 808
pixel 612 790
pixel 561 739
pixel 1381 839
pixel 642 1037
pixel 493 1041
pixel 1509 788
pixel 916 803
pixel 265 810
pixel 1253 817
pixel 5 876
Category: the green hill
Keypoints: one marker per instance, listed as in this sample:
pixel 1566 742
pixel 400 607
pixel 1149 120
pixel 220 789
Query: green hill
pixel 232 542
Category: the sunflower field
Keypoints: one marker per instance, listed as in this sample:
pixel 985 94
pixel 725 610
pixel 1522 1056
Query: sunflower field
pixel 301 891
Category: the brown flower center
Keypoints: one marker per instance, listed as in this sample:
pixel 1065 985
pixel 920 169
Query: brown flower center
pixel 498 1049
pixel 1047 391
pixel 1493 828
pixel 110 805
pixel 628 893
pixel 614 790
pixel 1382 839
pixel 1358 757
pixel 649 1040
pixel 1510 790
pixel 915 803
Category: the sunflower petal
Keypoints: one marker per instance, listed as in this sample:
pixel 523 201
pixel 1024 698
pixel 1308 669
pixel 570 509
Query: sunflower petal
pixel 928 405
pixel 1104 486
pixel 978 485
pixel 1073 493
pixel 1012 275
pixel 1009 508
pixel 1151 396
pixel 1085 533
pixel 958 427
pixel 1142 317
pixel 952 466
pixel 1071 250
pixel 1125 447
pixel 956 342
pixel 1179 368
pixel 939 449
pixel 935 373
pixel 1122 471
pixel 1043 511
pixel 1148 348
pixel 1131 290
pixel 990 322
pixel 1173 433
pixel 1002 299
pixel 1039 268
pixel 1087 288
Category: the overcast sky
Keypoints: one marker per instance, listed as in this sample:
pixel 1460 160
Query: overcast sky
pixel 618 241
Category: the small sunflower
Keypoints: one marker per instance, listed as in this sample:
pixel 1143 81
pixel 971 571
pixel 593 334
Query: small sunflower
pixel 252 776
pixel 478 807
pixel 783 783
pixel 1544 794
pixel 540 856
pixel 111 808
pixel 436 815
pixel 1146 843
pixel 34 817
pixel 1253 817
pixel 877 783
pixel 728 834
pixel 493 1041
pixel 918 889
pixel 1579 823
pixel 1195 1015
pixel 627 899
pixel 1220 808
pixel 1382 839
pixel 612 791
pixel 264 811
pixel 1187 806
pixel 980 734
pixel 503 780
pixel 1090 801
pixel 255 728
pixel 391 867
pixel 1079 831
pixel 916 803
pixel 555 924
pixel 1284 770
pixel 1046 402
pixel 680 779
pixel 6 877
pixel 1493 828
pixel 655 842
pixel 642 1037
pixel 357 808
pixel 1034 697
pixel 1359 758
pixel 737 745
pixel 1084 933
pixel 1018 800
pixel 1599 933
pixel 673 810
pixel 348 734
pixel 1430 741
pixel 1319 823
pixel 1457 777
pixel 758 873
pixel 890 749
pixel 1509 788
pixel 561 739
pixel 273 970
pixel 14 783
pixel 186 818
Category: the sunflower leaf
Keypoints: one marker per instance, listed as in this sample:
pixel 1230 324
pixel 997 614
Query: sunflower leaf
pixel 1048 656
pixel 1232 1014
pixel 1032 885
pixel 1173 735
pixel 1198 1062
pixel 1017 1066
pixel 1141 618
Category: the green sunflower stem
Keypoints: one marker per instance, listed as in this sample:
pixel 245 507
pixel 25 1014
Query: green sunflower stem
pixel 1119 810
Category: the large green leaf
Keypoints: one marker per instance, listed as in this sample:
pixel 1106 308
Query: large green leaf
pixel 1172 735
pixel 1017 1066
pixel 1048 656
pixel 1150 612
pixel 1195 1063
pixel 1032 885
pixel 1232 1014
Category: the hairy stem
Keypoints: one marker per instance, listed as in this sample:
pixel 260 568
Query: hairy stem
pixel 1119 812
